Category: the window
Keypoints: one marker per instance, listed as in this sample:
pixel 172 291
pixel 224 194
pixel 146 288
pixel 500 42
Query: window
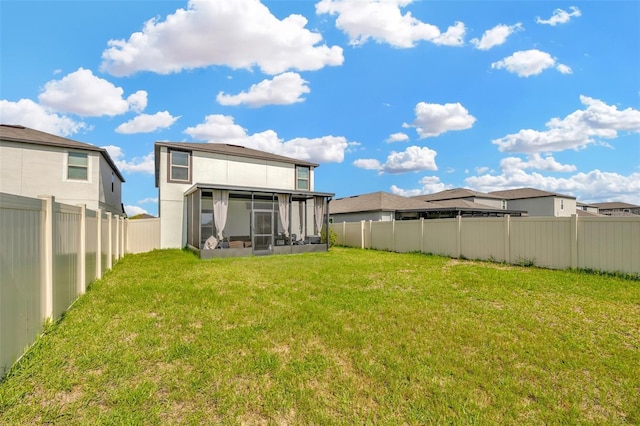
pixel 302 177
pixel 78 166
pixel 561 204
pixel 179 166
pixel 113 179
pixel 504 204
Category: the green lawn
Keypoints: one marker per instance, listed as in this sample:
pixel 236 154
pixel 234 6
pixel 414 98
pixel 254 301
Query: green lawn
pixel 345 337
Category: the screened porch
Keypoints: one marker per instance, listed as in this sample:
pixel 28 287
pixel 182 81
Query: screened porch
pixel 227 222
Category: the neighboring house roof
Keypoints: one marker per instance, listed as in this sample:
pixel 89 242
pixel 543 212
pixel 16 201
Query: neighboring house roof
pixel 580 204
pixel 615 205
pixel 587 213
pixel 384 201
pixel 16 133
pixel 521 193
pixel 455 193
pixel 376 201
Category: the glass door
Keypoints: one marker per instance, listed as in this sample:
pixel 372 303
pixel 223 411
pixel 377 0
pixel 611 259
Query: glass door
pixel 262 231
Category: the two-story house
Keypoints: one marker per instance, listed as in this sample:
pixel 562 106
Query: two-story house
pixel 228 200
pixel 34 163
pixel 538 202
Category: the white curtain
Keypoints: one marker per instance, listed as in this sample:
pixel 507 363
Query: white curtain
pixel 283 208
pixel 319 208
pixel 220 207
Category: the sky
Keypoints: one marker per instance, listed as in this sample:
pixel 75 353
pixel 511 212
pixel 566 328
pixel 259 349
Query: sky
pixel 408 97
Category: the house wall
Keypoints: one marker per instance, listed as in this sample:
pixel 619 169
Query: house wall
pixel 32 170
pixel 545 206
pixel 216 169
pixel 357 217
pixel 110 197
pixel 488 202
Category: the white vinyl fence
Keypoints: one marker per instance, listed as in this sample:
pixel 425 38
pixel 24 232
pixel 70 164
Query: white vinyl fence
pixel 49 253
pixel 608 244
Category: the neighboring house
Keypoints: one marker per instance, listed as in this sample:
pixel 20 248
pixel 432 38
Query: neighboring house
pixel 538 203
pixel 34 163
pixel 228 200
pixel 467 195
pixel 383 206
pixel 583 209
pixel 617 209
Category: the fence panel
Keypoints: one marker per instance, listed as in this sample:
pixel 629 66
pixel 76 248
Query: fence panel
pixel 22 223
pixel 353 234
pixel 543 241
pixel 609 244
pixel 143 235
pixel 483 238
pixel 66 250
pixel 104 243
pixel 440 237
pixel 382 235
pixel 408 236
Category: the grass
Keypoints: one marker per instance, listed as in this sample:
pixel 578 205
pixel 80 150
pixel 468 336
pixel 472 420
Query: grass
pixel 345 337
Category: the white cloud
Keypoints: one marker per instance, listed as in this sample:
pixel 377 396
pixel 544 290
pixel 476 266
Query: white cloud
pixel 412 159
pixel 222 129
pixel 146 123
pixel 535 161
pixel 27 113
pixel 560 16
pixel 384 22
pixel 526 63
pixel 134 210
pixel 397 137
pixel 144 164
pixel 430 185
pixel 593 186
pixel 367 164
pixel 284 89
pixel 575 131
pixel 435 119
pixel 235 33
pixel 495 36
pixel 84 94
pixel 149 200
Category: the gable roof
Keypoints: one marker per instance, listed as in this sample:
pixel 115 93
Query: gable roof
pixel 376 201
pixel 615 205
pixel 450 194
pixel 17 133
pixel 521 193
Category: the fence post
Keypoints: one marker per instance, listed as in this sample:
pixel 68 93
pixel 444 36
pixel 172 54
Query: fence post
pixel 370 234
pixel 47 291
pixel 422 235
pixel 116 243
pixel 110 240
pixel 459 237
pixel 507 238
pixel 99 245
pixel 574 241
pixel 82 261
pixel 362 239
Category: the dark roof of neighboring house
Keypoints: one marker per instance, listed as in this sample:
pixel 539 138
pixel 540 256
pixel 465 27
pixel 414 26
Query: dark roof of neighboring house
pixel 384 201
pixel 451 194
pixel 587 213
pixel 521 193
pixel 16 133
pixel 615 205
pixel 376 201
pixel 581 204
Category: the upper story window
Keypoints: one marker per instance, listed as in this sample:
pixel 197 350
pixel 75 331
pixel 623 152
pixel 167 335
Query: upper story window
pixel 78 166
pixel 504 204
pixel 561 204
pixel 302 177
pixel 179 166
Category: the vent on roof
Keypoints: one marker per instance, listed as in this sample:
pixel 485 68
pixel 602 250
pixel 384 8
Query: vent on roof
pixel 15 126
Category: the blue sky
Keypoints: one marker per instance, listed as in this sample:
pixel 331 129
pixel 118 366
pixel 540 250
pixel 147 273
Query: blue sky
pixel 402 96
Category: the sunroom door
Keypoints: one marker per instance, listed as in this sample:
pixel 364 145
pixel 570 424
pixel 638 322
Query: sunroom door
pixel 262 231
